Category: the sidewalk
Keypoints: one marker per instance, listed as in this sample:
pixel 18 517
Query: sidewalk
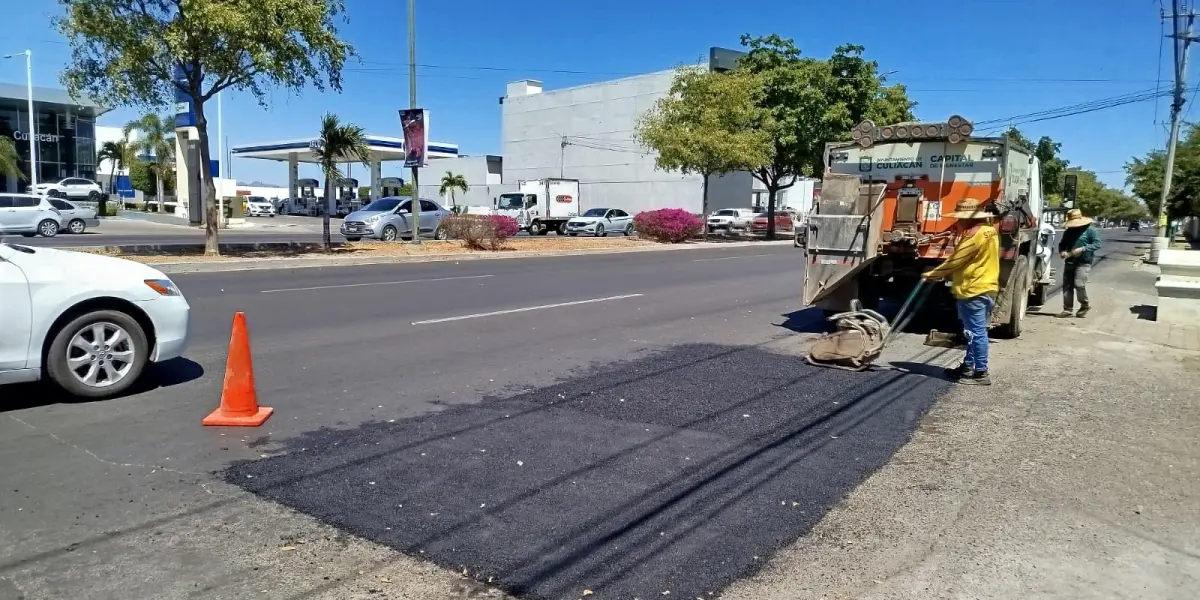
pixel 1076 475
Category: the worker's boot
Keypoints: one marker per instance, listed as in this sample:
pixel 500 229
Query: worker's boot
pixel 1066 314
pixel 975 378
pixel 1083 311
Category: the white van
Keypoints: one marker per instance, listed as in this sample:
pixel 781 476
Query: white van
pixel 29 215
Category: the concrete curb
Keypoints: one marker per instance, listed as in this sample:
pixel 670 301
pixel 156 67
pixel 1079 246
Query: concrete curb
pixel 307 263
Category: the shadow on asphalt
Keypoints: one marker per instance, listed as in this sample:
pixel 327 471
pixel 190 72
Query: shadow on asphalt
pixel 681 472
pixel 1145 312
pixel 157 375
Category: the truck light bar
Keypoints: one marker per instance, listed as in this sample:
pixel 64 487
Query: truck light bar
pixel 956 129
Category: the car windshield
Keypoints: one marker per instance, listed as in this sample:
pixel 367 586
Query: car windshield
pixel 726 213
pixel 595 212
pixel 385 205
pixel 258 199
pixel 511 201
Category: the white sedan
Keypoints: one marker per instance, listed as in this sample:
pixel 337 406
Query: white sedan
pixel 257 206
pixel 601 222
pixel 88 323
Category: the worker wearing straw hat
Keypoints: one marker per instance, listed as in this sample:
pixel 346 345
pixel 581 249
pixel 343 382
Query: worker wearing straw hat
pixel 974 272
pixel 1078 249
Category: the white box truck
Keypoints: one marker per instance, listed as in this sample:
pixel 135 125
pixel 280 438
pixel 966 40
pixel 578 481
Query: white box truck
pixel 541 205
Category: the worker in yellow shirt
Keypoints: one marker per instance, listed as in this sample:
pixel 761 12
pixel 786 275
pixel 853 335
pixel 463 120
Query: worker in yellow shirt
pixel 974 272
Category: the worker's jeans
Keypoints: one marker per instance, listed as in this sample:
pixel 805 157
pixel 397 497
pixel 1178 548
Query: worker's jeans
pixel 1075 278
pixel 974 314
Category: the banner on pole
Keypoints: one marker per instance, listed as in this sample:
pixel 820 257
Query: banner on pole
pixel 415 122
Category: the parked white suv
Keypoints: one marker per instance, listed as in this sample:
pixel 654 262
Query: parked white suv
pixel 730 220
pixel 71 187
pixel 29 215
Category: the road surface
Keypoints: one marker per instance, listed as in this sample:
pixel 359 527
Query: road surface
pixel 630 422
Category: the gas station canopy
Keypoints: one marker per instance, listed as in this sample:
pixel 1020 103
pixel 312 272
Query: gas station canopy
pixel 383 149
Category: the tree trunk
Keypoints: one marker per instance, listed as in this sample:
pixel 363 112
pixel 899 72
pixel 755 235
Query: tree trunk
pixel 159 188
pixel 771 192
pixel 212 220
pixel 704 208
pixel 325 239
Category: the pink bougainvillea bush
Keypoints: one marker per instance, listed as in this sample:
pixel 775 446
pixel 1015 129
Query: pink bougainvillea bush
pixel 668 225
pixel 503 227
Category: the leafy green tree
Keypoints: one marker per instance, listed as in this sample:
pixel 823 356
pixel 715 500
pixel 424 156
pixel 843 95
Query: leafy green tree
pixel 807 102
pixel 10 161
pixel 156 137
pixel 1049 155
pixel 706 126
pixel 127 52
pixel 1145 176
pixel 450 183
pixel 141 176
pixel 338 143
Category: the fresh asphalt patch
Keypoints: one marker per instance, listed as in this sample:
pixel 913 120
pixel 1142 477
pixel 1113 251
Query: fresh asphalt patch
pixel 678 472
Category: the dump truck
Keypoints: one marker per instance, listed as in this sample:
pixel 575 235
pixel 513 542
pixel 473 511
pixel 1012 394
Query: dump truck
pixel 881 220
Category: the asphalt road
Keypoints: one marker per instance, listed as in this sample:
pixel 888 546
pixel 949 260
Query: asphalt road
pixel 615 422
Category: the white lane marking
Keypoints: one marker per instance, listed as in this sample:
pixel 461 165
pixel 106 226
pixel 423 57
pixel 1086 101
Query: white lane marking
pixel 731 257
pixel 526 309
pixel 350 285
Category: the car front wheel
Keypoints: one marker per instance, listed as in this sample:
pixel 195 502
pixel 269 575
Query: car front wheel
pixel 389 234
pixel 98 354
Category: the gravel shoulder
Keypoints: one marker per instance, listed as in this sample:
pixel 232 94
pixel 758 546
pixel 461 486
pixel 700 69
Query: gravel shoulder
pixel 1074 476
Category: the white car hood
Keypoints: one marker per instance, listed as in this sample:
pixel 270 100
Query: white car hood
pixel 64 265
pixel 588 219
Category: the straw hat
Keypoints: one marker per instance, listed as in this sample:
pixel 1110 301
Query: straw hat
pixel 1075 218
pixel 970 208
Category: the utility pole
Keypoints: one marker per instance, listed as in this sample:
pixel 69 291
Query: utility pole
pixel 32 133
pixel 415 202
pixel 1181 37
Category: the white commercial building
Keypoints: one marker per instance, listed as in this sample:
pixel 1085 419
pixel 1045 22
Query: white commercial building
pixel 587 133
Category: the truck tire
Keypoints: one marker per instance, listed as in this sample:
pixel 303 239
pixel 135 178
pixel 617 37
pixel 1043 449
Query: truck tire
pixel 1020 300
pixel 562 228
pixel 535 228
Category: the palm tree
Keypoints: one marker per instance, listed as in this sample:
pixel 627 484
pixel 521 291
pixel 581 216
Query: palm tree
pixel 10 161
pixel 157 137
pixel 451 182
pixel 119 154
pixel 337 143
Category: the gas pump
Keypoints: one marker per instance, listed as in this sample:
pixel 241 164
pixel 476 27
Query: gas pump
pixel 307 203
pixel 390 186
pixel 346 191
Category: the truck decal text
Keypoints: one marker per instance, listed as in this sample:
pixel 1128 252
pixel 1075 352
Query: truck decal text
pixel 952 160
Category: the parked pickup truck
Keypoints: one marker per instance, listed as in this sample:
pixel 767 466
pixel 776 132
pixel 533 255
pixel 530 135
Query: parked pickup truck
pixel 731 220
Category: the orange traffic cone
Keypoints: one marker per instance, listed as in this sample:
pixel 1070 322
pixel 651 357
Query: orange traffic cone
pixel 239 402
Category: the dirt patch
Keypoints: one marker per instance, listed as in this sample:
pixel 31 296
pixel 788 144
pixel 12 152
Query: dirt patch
pixel 374 250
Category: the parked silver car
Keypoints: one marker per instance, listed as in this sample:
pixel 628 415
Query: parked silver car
pixel 75 218
pixel 390 218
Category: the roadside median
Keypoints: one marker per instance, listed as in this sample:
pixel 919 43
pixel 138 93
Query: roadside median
pixel 190 258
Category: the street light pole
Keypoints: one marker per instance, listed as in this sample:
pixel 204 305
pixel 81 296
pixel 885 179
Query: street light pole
pixel 415 201
pixel 1181 39
pixel 32 117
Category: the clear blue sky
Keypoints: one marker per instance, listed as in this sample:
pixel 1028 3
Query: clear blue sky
pixel 984 59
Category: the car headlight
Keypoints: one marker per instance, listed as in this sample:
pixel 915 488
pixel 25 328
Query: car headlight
pixel 374 219
pixel 164 287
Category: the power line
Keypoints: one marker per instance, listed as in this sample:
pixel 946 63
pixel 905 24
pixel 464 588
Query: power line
pixel 1075 109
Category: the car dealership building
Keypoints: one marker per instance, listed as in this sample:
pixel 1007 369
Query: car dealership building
pixel 65 134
